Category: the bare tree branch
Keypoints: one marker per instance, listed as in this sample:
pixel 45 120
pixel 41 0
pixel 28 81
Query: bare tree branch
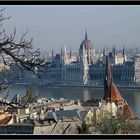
pixel 21 52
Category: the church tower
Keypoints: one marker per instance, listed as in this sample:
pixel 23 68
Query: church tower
pixel 112 94
pixel 108 76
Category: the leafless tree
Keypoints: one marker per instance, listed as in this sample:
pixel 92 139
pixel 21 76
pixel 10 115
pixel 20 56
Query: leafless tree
pixel 20 51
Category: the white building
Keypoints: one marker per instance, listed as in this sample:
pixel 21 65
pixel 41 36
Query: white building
pixel 70 69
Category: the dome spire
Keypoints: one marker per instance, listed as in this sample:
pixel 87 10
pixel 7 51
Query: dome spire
pixel 123 50
pixel 86 36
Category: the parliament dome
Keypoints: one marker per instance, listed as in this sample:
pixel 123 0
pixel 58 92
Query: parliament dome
pixel 87 44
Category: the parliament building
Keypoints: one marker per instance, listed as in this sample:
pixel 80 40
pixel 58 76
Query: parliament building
pixel 85 68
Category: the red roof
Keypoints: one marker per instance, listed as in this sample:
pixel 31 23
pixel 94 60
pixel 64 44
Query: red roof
pixel 127 111
pixel 5 120
pixel 113 94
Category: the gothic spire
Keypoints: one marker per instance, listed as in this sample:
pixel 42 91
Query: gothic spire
pixel 70 53
pixel 52 54
pixel 65 53
pixel 61 52
pixel 108 69
pixel 111 92
pixel 108 76
pixel 114 50
pixel 104 51
pixel 123 50
pixel 86 36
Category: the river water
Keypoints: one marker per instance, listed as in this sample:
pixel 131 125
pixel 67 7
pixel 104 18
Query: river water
pixel 131 95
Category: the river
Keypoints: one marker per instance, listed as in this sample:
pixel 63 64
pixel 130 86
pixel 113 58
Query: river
pixel 131 95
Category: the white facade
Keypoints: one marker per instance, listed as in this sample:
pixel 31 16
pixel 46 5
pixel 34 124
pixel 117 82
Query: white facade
pixel 68 71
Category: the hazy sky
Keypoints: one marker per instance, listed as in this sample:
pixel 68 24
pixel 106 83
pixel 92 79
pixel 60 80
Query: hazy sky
pixel 52 26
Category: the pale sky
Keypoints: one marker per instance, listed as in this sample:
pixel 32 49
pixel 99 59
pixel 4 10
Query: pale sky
pixel 52 26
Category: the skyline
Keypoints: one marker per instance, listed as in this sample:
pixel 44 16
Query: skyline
pixel 52 26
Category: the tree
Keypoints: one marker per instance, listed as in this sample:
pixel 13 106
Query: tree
pixel 113 125
pixel 83 129
pixel 20 51
pixel 107 124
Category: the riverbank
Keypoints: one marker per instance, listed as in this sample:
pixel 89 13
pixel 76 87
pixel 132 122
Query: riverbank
pixel 73 85
pixel 132 96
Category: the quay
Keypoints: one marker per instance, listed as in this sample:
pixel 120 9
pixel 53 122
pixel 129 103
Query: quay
pixel 75 85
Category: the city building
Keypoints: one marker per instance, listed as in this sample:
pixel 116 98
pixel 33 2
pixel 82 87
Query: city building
pixel 5 117
pixel 111 105
pixel 17 128
pixel 85 68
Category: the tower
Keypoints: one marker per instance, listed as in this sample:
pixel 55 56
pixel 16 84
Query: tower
pixel 124 55
pixel 114 55
pixel 114 50
pixel 89 49
pixel 104 51
pixel 108 76
pixel 85 67
pixel 86 36
pixel 123 51
pixel 65 55
pixel 70 54
pixel 52 54
pixel 64 61
pixel 112 94
pixel 61 53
